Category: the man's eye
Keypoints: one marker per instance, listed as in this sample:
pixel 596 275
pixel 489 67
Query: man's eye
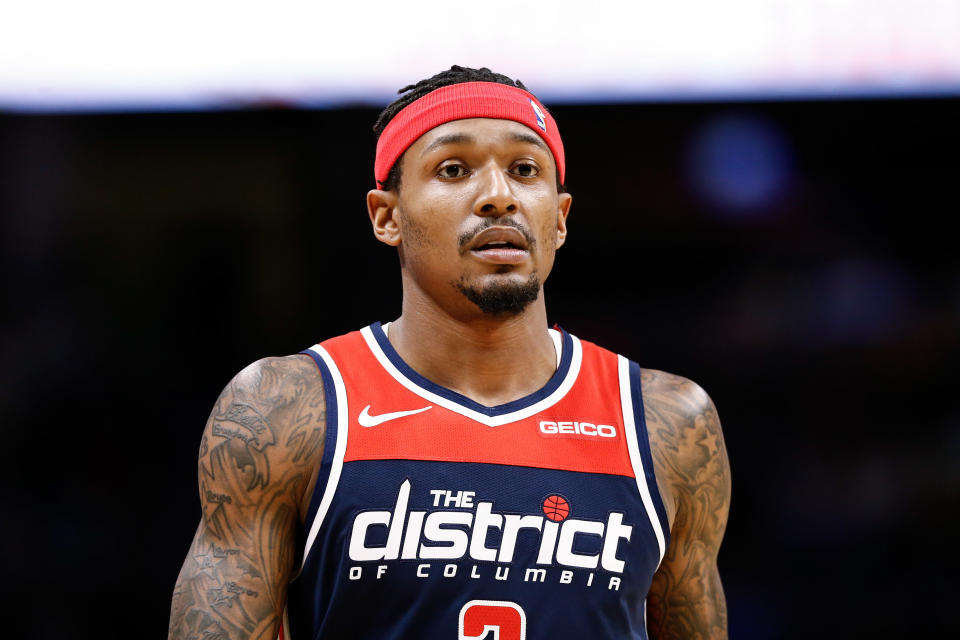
pixel 526 169
pixel 453 171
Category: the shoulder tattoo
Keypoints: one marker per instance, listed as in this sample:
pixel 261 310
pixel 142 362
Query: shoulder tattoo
pixel 686 598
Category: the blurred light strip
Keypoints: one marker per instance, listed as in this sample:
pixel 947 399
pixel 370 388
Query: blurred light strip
pixel 104 55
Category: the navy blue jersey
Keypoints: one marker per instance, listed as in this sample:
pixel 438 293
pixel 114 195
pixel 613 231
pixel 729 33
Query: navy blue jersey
pixel 436 517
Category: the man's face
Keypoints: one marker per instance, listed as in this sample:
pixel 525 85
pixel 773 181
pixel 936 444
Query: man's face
pixel 477 218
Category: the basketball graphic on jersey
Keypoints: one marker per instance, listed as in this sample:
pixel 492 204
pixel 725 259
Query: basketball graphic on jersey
pixel 556 508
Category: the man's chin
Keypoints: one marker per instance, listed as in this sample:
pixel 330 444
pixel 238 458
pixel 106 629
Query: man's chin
pixel 502 297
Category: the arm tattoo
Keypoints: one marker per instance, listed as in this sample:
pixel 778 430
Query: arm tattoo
pixel 258 457
pixel 686 598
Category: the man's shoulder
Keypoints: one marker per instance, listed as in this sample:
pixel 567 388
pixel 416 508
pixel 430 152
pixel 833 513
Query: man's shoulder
pixel 661 387
pixel 276 380
pixel 662 390
pixel 272 373
pixel 685 436
pixel 676 394
pixel 270 401
pixel 680 416
pixel 671 402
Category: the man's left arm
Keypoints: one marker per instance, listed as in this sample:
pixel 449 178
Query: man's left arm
pixel 686 599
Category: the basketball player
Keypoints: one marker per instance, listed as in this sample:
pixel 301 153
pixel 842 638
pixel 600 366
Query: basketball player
pixel 463 471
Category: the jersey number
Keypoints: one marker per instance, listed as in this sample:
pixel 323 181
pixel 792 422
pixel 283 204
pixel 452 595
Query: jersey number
pixel 506 619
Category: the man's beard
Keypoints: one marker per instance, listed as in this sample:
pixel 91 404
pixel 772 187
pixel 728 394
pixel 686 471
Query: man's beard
pixel 503 298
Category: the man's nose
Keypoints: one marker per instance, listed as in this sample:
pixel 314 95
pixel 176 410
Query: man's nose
pixel 496 197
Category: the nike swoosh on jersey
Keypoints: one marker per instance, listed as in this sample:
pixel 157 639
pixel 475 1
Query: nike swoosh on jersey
pixel 367 420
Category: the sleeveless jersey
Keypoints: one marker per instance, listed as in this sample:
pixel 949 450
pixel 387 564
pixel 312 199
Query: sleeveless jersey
pixel 435 517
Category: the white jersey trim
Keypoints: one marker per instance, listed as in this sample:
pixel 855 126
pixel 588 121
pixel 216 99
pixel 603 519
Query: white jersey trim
pixel 557 344
pixel 630 428
pixel 341 448
pixel 490 421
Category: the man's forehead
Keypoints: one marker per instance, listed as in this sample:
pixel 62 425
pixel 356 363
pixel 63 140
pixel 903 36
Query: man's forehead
pixel 478 131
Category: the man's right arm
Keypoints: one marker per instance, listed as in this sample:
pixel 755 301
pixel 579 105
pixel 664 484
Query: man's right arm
pixel 258 459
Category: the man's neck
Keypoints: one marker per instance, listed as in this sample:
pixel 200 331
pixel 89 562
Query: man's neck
pixel 490 360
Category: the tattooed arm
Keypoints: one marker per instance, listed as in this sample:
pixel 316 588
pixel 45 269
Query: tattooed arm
pixel 686 598
pixel 258 459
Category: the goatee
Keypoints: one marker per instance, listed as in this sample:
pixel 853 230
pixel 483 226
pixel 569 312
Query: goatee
pixel 503 298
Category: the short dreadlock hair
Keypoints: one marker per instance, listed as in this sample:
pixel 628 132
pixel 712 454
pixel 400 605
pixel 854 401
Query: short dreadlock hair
pixel 413 92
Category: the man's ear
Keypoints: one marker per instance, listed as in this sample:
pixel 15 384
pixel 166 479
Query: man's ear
pixel 563 210
pixel 380 208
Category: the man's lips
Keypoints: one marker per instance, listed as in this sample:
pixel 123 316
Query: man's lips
pixel 501 255
pixel 499 236
pixel 500 245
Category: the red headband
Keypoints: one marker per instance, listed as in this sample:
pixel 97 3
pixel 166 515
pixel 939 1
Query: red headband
pixel 459 101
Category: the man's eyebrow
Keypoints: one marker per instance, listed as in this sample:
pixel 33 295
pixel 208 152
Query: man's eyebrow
pixel 451 138
pixel 530 138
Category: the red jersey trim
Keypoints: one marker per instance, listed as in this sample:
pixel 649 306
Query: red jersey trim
pixel 579 427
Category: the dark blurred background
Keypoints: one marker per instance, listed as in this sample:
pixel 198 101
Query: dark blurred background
pixel 797 259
